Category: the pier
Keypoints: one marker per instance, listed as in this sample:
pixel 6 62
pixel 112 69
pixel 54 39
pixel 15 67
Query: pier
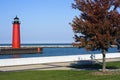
pixel 25 50
pixel 48 46
pixel 32 48
pixel 29 49
pixel 42 46
pixel 51 46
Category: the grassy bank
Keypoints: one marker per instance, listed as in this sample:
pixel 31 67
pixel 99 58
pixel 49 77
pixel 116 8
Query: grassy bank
pixel 63 74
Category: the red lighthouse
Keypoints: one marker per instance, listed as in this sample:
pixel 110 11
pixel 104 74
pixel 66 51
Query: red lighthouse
pixel 16 48
pixel 16 33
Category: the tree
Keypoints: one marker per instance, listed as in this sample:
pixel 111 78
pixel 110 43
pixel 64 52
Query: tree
pixel 98 26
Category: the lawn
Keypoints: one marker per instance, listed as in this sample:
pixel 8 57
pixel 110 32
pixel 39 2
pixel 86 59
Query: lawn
pixel 56 75
pixel 62 74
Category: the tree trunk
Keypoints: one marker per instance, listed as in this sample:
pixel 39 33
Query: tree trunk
pixel 104 61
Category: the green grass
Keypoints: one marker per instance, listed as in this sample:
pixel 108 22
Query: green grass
pixel 114 65
pixel 61 74
pixel 56 75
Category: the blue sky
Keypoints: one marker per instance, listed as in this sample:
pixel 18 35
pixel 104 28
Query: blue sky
pixel 42 21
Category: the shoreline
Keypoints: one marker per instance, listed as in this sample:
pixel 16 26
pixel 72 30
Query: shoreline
pixel 48 66
pixel 55 59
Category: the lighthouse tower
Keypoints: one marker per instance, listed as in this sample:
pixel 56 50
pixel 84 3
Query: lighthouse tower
pixel 16 48
pixel 16 33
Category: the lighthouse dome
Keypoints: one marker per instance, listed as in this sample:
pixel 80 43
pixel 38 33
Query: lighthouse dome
pixel 16 20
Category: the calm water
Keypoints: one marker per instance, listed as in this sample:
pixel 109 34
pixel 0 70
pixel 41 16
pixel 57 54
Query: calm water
pixel 54 51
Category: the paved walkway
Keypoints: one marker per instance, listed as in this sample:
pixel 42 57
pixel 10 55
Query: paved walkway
pixel 48 66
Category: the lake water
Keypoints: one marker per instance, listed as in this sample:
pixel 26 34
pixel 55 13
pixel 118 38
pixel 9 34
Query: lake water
pixel 54 51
